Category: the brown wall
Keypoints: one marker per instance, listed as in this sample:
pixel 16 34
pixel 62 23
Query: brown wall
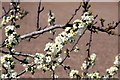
pixel 105 46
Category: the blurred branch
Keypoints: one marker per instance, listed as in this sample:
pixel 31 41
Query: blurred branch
pixel 43 31
pixel 24 71
pixel 89 44
pixel 88 51
pixel 18 54
pixel 106 30
pixel 38 15
pixel 74 46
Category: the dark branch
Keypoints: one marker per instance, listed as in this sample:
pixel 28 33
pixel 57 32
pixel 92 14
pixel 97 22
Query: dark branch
pixel 38 15
pixel 76 10
pixel 18 54
pixel 74 46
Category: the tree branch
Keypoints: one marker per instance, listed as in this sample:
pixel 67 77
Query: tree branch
pixel 42 31
pixel 76 10
pixel 18 54
pixel 74 46
pixel 38 15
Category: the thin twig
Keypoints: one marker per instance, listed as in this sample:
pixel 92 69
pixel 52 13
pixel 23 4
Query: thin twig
pixel 38 15
pixel 89 44
pixel 42 31
pixel 18 59
pixel 78 40
pixel 5 14
pixel 76 10
pixel 74 45
pixel 18 54
pixel 24 71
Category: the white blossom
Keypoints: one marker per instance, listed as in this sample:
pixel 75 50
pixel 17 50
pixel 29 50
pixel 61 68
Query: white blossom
pixel 55 76
pixel 73 73
pixel 3 58
pixel 51 18
pixel 112 70
pixel 87 18
pixel 93 56
pixel 59 59
pixel 84 66
pixel 117 61
pixel 48 59
pixel 39 58
pixel 9 27
pixel 48 46
pixel 67 29
pixel 94 75
pixel 76 49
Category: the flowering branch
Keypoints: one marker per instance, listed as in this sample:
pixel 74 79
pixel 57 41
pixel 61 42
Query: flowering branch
pixel 42 31
pixel 18 54
pixel 51 59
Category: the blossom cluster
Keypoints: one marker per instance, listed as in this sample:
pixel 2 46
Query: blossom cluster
pixel 74 74
pixel 52 58
pixel 51 18
pixel 14 14
pixel 11 75
pixel 89 62
pixel 12 38
pixel 7 60
pixel 117 61
pixel 94 75
pixel 9 64
pixel 114 69
pixel 87 18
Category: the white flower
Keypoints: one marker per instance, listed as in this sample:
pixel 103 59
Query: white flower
pixel 39 58
pixel 53 67
pixel 59 59
pixel 51 18
pixel 78 24
pixel 84 66
pixel 39 66
pixel 55 76
pixel 4 76
pixel 13 50
pixel 93 56
pixel 45 67
pixel 117 61
pixel 3 22
pixel 112 70
pixel 3 58
pixel 87 17
pixel 77 21
pixel 9 27
pixel 67 29
pixel 82 25
pixel 14 74
pixel 56 48
pixel 94 75
pixel 73 73
pixel 48 59
pixel 11 38
pixel 76 49
pixel 48 46
pixel 11 73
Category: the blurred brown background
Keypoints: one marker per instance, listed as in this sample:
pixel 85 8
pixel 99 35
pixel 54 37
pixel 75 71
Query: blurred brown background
pixel 105 46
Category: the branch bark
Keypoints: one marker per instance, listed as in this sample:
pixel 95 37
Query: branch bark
pixel 23 37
